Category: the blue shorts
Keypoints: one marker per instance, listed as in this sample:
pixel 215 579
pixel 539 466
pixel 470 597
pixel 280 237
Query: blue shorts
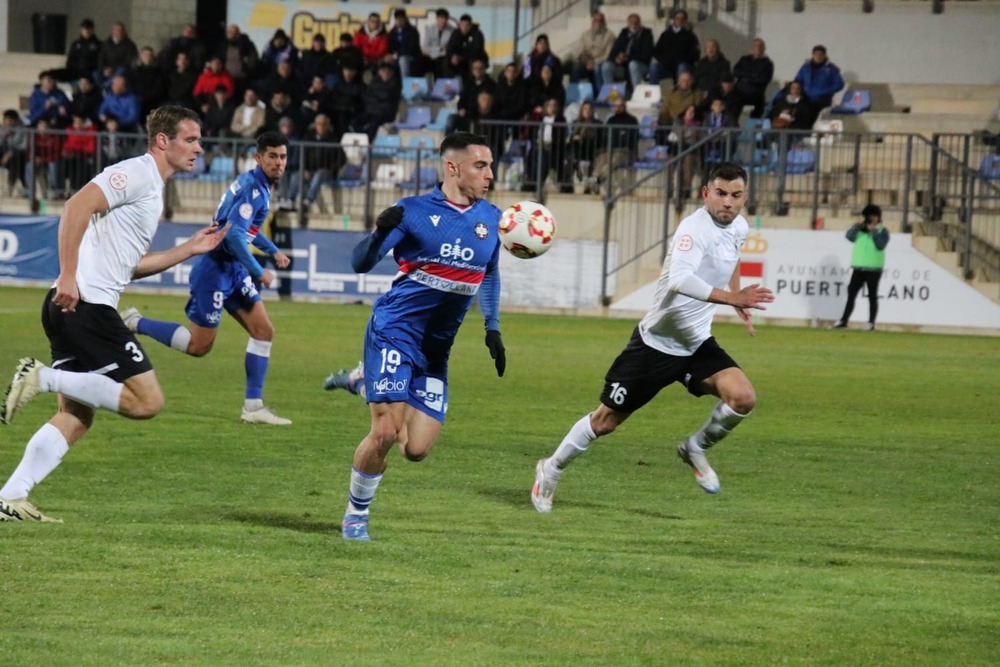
pixel 394 374
pixel 216 285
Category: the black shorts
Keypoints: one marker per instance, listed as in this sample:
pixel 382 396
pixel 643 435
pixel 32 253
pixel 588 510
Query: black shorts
pixel 92 339
pixel 640 372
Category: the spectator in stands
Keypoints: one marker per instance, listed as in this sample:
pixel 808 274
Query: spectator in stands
pixel 218 117
pixel 585 135
pixel 113 147
pixel 511 99
pixel 373 40
pixel 279 50
pixel 293 166
pixel 148 82
pixel 213 76
pixel 47 102
pixel 46 164
pixel 677 101
pixel 81 58
pixel 348 99
pixel 116 56
pixel 86 100
pixel 322 159
pixel 548 150
pixel 546 87
pixel 791 109
pixel 753 74
pixel 716 119
pixel 622 135
pixel 280 107
pixel 79 153
pixel 122 104
pixel 630 54
pixel 467 107
pixel 435 42
pixel 181 82
pixel 404 46
pixel 710 69
pixel 485 111
pixel 318 99
pixel 239 57
pixel 348 55
pixel 686 132
pixel 541 55
pixel 381 102
pixel 593 48
pixel 676 50
pixel 14 141
pixel 187 42
pixel 317 61
pixel 820 80
pixel 465 45
pixel 283 79
pixel 248 118
pixel 725 91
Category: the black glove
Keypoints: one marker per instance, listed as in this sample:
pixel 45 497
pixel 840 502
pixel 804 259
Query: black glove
pixel 495 344
pixel 389 219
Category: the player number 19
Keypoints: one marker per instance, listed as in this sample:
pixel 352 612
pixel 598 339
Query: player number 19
pixel 390 360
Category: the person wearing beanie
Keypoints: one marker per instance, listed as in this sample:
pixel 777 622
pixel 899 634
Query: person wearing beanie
pixel 870 237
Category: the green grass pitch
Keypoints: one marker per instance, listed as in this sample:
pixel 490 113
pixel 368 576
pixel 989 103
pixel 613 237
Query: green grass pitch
pixel 858 522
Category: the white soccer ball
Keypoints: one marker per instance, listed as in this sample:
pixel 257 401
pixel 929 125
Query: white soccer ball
pixel 527 229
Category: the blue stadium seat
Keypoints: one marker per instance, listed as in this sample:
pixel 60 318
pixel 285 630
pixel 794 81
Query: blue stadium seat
pixel 989 167
pixel 441 120
pixel 445 89
pixel 610 93
pixel 581 91
pixel 387 145
pixel 647 127
pixel 426 144
pixel 352 175
pixel 653 158
pixel 417 118
pixel 854 101
pixel 423 179
pixel 763 161
pixel 517 150
pixel 222 168
pixel 415 88
pixel 800 161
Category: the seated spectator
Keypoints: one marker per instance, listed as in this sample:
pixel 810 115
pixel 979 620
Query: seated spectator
pixel 116 56
pixel 187 42
pixel 14 142
pixel 732 103
pixel 465 45
pixel 46 164
pixel 820 80
pixel 686 131
pixel 279 50
pixel 435 43
pixel 477 82
pixel 318 99
pixel 708 71
pixel 677 101
pixel 122 104
pixel 622 132
pixel 86 100
pixel 676 50
pixel 546 87
pixel 112 146
pixel 791 110
pixel 239 57
pixel 348 99
pixel 322 159
pixel 373 41
pixel 585 136
pixel 248 118
pixel 317 61
pixel 753 74
pixel 493 132
pixel 282 79
pixel 49 103
pixel 381 102
pixel 211 78
pixel 293 166
pixel 404 46
pixel 630 54
pixel 716 120
pixel 280 107
pixel 511 101
pixel 81 58
pixel 218 117
pixel 594 48
pixel 148 82
pixel 541 55
pixel 79 153
pixel 348 55
pixel 181 82
pixel 548 150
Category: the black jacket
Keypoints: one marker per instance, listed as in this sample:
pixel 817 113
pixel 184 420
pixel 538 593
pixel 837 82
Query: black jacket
pixel 637 47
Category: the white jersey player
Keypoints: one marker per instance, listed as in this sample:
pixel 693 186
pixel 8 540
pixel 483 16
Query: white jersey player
pixel 674 342
pixel 104 238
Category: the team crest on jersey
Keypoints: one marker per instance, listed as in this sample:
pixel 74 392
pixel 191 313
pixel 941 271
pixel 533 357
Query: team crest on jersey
pixel 118 180
pixel 481 231
pixel 246 211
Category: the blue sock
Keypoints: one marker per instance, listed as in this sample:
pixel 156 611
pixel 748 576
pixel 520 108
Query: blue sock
pixel 162 332
pixel 256 361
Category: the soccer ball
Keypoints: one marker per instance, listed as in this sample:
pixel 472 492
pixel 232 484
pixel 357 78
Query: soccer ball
pixel 527 229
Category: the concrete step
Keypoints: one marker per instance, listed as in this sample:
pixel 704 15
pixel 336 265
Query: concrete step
pixel 992 290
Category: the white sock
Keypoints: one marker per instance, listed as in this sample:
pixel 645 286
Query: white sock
pixel 251 404
pixel 722 420
pixel 573 445
pixel 362 491
pixel 180 340
pixel 44 452
pixel 91 389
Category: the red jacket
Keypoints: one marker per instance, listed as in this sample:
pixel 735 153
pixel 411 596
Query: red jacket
pixel 208 81
pixel 373 47
pixel 80 142
pixel 47 147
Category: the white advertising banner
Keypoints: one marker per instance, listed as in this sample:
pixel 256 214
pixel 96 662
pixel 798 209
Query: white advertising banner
pixel 809 272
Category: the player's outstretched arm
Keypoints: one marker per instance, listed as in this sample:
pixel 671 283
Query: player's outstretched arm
pixel 204 240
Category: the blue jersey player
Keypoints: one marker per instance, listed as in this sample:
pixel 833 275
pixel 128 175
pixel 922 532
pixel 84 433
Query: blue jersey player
pixel 447 247
pixel 225 280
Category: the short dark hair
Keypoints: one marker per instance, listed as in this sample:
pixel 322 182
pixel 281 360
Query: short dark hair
pixel 87 23
pixel 442 12
pixel 820 48
pixel 727 171
pixel 871 211
pixel 270 139
pixel 399 13
pixel 12 114
pixel 461 140
pixel 466 17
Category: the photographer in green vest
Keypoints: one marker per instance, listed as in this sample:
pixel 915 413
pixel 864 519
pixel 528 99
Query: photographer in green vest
pixel 870 238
